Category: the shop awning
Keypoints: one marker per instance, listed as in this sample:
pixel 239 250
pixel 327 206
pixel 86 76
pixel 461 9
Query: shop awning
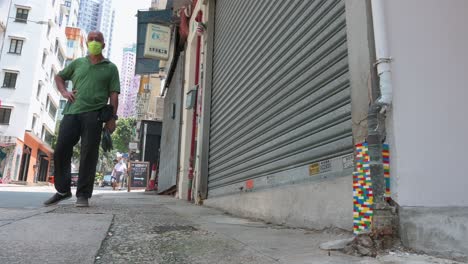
pixel 29 136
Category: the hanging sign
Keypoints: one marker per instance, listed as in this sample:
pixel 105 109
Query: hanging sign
pixel 157 44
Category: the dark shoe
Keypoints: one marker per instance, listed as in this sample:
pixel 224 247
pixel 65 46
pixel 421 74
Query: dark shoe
pixel 82 202
pixel 57 198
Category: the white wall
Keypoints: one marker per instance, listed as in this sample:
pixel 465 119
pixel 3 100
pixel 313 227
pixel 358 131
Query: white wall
pixel 428 126
pixel 29 64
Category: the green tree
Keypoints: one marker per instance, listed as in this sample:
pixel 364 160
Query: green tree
pixel 123 134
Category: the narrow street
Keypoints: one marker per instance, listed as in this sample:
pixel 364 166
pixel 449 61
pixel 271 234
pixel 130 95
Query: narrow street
pixel 121 227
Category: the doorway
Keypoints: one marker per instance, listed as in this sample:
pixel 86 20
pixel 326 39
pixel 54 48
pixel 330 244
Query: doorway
pixel 43 166
pixel 23 176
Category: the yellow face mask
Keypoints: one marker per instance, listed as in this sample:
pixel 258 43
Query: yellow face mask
pixel 94 47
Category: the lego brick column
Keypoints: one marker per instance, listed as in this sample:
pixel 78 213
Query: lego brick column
pixel 386 166
pixel 362 191
pixel 363 197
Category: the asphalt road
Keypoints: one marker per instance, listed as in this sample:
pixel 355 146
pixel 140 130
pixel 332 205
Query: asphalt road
pixel 29 197
pixel 26 200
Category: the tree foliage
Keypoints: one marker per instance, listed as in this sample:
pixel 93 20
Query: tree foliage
pixel 123 134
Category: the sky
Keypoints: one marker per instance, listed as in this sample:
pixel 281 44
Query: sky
pixel 125 26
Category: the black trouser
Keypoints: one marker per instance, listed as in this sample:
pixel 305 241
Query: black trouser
pixel 73 127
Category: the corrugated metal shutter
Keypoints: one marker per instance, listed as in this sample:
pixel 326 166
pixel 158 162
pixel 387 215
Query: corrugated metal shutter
pixel 281 97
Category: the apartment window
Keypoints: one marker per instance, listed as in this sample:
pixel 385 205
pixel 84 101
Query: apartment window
pixel 16 45
pixel 56 45
pixel 52 74
pixel 46 135
pixel 44 57
pixel 70 43
pixel 33 125
pixel 60 58
pixel 5 114
pixel 52 110
pixel 39 89
pixel 62 104
pixel 21 15
pixel 52 78
pixel 10 80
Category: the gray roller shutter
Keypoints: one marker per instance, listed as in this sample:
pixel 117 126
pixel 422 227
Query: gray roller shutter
pixel 280 91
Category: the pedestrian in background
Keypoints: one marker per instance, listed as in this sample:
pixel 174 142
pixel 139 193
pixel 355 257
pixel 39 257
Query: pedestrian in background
pixel 95 81
pixel 119 172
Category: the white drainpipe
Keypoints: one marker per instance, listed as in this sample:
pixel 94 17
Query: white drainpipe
pixel 382 54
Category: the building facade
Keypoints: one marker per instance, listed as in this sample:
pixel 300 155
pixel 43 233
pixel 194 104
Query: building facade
pixel 302 107
pixel 98 15
pixel 76 48
pixel 129 83
pixel 33 52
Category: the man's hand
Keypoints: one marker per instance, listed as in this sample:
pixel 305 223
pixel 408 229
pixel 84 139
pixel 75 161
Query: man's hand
pixel 110 125
pixel 70 96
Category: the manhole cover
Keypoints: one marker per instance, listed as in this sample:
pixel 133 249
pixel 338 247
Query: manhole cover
pixel 172 228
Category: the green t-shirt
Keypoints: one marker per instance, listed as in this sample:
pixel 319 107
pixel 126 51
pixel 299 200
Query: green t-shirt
pixel 93 83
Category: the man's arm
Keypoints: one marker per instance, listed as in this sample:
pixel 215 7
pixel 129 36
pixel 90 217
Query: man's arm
pixel 70 96
pixel 114 101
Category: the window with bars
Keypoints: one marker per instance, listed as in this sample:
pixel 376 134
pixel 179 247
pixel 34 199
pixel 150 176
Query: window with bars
pixel 5 114
pixel 16 46
pixel 9 81
pixel 22 15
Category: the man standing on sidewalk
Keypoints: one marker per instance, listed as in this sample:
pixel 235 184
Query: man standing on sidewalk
pixel 95 81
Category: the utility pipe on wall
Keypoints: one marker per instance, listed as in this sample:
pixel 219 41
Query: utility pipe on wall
pixel 376 114
pixel 195 115
pixel 383 62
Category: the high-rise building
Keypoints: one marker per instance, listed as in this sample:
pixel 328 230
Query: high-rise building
pixel 32 52
pixel 158 4
pixel 98 15
pixel 128 89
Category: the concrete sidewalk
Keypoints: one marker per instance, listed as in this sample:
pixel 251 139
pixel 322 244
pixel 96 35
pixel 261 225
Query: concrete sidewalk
pixel 122 227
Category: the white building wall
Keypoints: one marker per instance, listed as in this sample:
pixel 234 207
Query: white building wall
pixel 427 127
pixel 23 98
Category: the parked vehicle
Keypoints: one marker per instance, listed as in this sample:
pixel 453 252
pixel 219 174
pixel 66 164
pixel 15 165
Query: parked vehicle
pixel 74 179
pixel 106 180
